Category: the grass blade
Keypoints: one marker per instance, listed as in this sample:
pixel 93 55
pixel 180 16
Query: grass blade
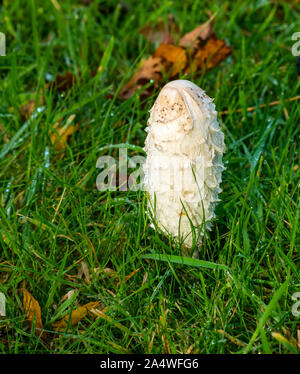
pixel 277 295
pixel 188 261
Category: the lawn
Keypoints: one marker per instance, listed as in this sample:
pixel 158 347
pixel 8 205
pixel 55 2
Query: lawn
pixel 68 244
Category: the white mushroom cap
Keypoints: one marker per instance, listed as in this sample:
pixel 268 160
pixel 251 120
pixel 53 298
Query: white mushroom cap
pixel 184 166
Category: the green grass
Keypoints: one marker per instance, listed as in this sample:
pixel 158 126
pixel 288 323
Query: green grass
pixel 234 303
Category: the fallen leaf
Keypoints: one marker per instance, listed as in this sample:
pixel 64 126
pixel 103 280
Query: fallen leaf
pixel 132 274
pixel 288 335
pixel 68 295
pixel 76 315
pixel 198 51
pixel 129 276
pixel 190 349
pixel 145 278
pixel 63 82
pixel 284 341
pixel 202 32
pixel 174 59
pixel 84 270
pixel 167 58
pixel 149 71
pixel 209 55
pixel 33 311
pixel 110 272
pixel 102 314
pixel 60 135
pixel 161 32
pixel 27 109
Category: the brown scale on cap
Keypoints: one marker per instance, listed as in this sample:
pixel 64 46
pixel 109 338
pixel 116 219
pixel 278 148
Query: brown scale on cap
pixel 169 106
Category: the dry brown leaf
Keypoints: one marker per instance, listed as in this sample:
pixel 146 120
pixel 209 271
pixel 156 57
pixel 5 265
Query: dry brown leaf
pixel 161 32
pixel 202 32
pixel 145 278
pixel 190 349
pixel 102 314
pixel 33 311
pixel 288 335
pixel 198 51
pixel 132 274
pixel 27 109
pixel 76 315
pixel 110 272
pixel 68 295
pixel 209 55
pixel 129 276
pixel 150 70
pixel 167 58
pixel 84 270
pixel 60 135
pixel 286 340
pixel 174 59
pixel 63 82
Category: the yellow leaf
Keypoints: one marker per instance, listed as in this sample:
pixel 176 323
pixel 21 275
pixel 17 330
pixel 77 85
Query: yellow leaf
pixel 132 274
pixel 76 315
pixel 109 272
pixel 60 136
pixel 283 340
pixel 101 314
pixel 33 311
pixel 279 337
pixel 174 58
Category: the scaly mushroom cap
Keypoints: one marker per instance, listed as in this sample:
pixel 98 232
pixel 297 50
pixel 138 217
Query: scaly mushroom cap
pixel 184 166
